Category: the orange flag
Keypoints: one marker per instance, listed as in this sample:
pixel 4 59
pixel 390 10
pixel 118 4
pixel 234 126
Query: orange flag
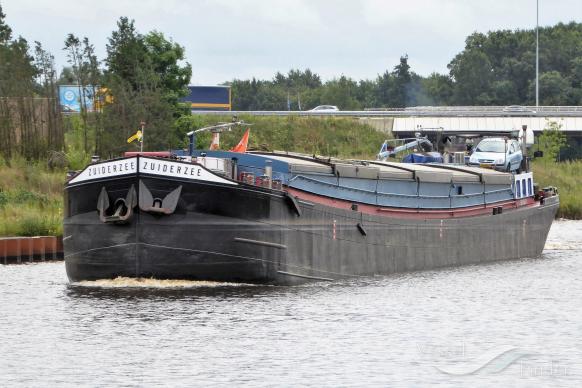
pixel 243 143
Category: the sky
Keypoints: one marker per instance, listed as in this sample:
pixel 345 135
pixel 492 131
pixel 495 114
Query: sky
pixel 241 39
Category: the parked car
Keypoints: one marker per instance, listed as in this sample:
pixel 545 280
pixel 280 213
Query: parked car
pixel 498 153
pixel 325 108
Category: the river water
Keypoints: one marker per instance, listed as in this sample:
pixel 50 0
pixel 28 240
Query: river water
pixel 514 323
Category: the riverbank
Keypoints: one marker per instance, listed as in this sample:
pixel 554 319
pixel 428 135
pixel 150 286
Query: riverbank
pixel 567 177
pixel 31 199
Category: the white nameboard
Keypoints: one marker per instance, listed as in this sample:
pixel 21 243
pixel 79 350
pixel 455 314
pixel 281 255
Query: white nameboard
pixel 107 170
pixel 179 170
pixel 150 166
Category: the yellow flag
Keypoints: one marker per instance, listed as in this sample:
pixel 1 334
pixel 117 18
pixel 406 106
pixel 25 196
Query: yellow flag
pixel 137 136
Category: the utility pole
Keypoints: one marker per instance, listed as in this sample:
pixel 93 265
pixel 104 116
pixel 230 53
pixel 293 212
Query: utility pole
pixel 537 53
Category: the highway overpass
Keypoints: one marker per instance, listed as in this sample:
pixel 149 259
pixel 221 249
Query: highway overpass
pixel 405 122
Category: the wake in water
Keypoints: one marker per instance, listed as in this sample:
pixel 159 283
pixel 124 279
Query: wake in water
pixel 564 236
pixel 563 246
pixel 125 282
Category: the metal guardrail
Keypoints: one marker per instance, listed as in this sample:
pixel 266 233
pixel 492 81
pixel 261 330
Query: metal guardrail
pixel 574 111
pixel 479 109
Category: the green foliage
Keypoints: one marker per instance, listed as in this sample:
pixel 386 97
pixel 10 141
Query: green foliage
pixel 554 88
pixel 31 199
pixel 146 77
pixel 497 68
pixel 75 139
pixel 340 137
pixel 165 56
pixel 24 196
pixel 28 126
pixel 552 140
pixel 567 177
pixel 341 92
pixel 303 90
pixel 438 88
pixel 3 199
pixel 38 225
pixel 5 30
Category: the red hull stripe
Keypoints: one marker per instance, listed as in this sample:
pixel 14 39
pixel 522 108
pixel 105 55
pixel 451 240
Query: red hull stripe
pixel 412 213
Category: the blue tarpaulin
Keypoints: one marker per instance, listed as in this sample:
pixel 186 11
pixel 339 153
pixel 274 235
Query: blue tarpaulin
pixel 428 157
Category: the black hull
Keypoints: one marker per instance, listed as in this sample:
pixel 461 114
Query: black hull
pixel 245 234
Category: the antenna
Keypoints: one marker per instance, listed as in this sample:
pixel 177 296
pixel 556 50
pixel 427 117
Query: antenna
pixel 216 130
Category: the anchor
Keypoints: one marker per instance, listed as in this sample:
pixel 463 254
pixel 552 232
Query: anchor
pixel 166 206
pixel 123 207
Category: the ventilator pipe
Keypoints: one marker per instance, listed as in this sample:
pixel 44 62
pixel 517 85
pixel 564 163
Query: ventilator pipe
pixel 191 143
pixel 234 171
pixel 269 172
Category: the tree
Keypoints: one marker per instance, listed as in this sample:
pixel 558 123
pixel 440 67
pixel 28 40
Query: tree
pixel 499 67
pixel 145 76
pixel 367 93
pixel 472 73
pixel 5 30
pixel 45 63
pixel 552 140
pixel 554 89
pixel 402 80
pixel 165 57
pixel 296 78
pixel 394 88
pixel 385 87
pixel 85 69
pixel 341 92
pixel 66 77
pixel 438 88
pixel 19 129
pixel 127 54
pixel 504 92
pixel 298 86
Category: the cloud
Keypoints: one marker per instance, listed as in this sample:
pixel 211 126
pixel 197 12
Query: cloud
pixel 227 39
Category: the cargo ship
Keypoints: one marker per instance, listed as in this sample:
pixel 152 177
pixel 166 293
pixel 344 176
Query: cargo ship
pixel 283 218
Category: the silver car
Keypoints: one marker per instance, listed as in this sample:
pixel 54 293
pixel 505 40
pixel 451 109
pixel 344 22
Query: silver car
pixel 325 108
pixel 498 153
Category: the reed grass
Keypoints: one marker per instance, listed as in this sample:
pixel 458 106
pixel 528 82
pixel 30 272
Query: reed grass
pixel 31 199
pixel 567 177
pixel 328 136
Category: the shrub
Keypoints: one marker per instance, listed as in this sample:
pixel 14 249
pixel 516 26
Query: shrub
pixel 3 199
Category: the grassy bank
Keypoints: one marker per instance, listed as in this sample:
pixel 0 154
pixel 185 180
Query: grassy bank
pixel 31 199
pixel 341 137
pixel 567 177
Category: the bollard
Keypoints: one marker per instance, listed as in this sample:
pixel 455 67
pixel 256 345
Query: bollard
pixel 38 248
pixel 59 249
pixel 18 251
pixel 30 245
pixel 3 250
